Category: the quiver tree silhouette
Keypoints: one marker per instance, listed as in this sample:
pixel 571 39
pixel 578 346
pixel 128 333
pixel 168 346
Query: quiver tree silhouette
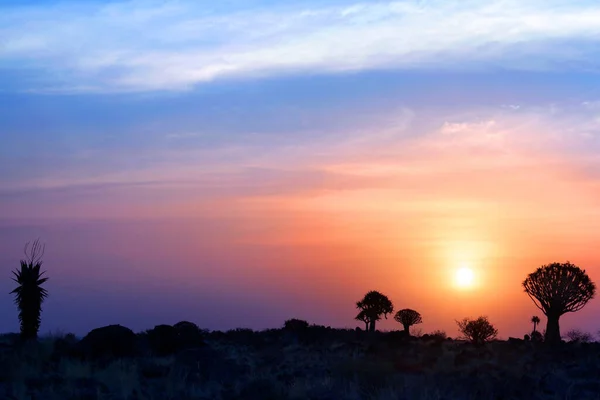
pixel 535 320
pixel 362 316
pixel 372 307
pixel 557 289
pixel 408 318
pixel 477 331
pixel 30 294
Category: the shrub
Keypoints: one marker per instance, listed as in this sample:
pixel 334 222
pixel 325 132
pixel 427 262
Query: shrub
pixel 162 340
pixel 65 347
pixel 439 334
pixel 575 335
pixel 189 335
pixel 112 341
pixel 478 330
pixel 295 325
pixel 537 336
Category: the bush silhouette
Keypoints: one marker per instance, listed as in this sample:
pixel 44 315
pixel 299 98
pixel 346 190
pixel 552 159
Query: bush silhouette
pixel 536 336
pixel 408 318
pixel 477 331
pixel 65 347
pixel 438 335
pixel 535 320
pixel 188 335
pixel 295 325
pixel 577 336
pixel 112 341
pixel 557 289
pixel 372 307
pixel 30 294
pixel 162 340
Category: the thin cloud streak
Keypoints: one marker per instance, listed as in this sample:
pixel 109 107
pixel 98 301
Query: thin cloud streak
pixel 135 46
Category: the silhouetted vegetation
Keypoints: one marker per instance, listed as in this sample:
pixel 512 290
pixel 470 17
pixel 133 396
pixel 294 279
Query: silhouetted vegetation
pixel 408 318
pixel 108 342
pixel 557 289
pixel 372 307
pixel 30 294
pixel 295 325
pixel 575 335
pixel 537 336
pixel 535 320
pixel 162 340
pixel 477 331
pixel 303 361
pixel 189 335
pixel 438 334
pixel 363 317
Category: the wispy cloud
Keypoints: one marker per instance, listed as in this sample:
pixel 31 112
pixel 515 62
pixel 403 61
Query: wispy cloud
pixel 166 45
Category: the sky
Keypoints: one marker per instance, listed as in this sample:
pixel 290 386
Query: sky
pixel 242 163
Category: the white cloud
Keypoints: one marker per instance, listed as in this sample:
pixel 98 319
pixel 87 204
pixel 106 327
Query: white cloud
pixel 173 45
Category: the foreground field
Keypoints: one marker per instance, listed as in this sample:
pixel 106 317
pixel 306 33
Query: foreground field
pixel 318 364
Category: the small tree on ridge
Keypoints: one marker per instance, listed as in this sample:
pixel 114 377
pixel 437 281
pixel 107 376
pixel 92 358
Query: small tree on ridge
pixel 477 331
pixel 372 307
pixel 408 318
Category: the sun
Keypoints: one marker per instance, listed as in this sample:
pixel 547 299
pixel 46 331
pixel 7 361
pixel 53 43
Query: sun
pixel 464 277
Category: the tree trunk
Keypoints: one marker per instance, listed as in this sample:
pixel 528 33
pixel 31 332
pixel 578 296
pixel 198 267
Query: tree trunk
pixel 366 326
pixel 372 328
pixel 407 330
pixel 534 326
pixel 552 329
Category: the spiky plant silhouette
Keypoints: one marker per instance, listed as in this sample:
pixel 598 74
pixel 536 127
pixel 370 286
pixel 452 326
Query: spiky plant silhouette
pixel 30 294
pixel 535 320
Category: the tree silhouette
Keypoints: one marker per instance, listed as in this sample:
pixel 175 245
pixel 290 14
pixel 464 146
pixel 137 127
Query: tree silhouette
pixel 478 330
pixel 362 316
pixel 30 294
pixel 557 289
pixel 536 320
pixel 372 307
pixel 408 318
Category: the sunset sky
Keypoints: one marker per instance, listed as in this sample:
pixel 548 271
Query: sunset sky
pixel 238 163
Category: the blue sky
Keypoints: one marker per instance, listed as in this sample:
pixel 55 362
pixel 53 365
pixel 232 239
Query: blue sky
pixel 268 119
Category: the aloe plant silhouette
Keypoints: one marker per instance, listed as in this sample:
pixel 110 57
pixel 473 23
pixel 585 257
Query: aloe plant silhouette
pixel 372 307
pixel 557 289
pixel 30 294
pixel 535 320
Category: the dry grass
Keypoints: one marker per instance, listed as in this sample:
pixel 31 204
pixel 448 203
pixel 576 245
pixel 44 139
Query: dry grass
pixel 287 370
